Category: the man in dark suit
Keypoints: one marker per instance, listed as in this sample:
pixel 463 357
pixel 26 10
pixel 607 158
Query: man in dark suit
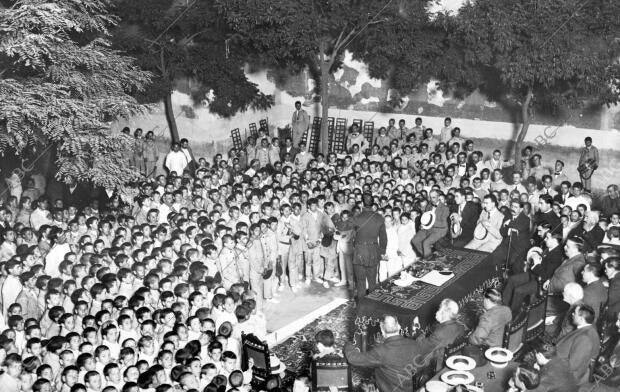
pixel 594 292
pixel 425 239
pixel 545 213
pixel 564 193
pixel 394 361
pixel 466 213
pixel 75 193
pixel 580 346
pixel 289 149
pixel 520 286
pixel 516 241
pixel 554 373
pixel 369 246
pixel 612 270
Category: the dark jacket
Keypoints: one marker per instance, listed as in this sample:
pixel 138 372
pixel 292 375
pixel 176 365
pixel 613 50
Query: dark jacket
pixel 550 262
pixel 613 301
pixel 592 238
pixel 469 218
pixel 521 239
pixel 294 151
pixel 578 348
pixel 561 198
pixel 80 197
pixel 445 333
pixel 394 361
pixel 595 295
pixel 555 376
pixel 549 217
pixel 370 238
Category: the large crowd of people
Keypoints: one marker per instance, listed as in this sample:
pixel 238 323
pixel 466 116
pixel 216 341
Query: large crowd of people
pixel 102 294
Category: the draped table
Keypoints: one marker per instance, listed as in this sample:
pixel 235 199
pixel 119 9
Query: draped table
pixel 472 275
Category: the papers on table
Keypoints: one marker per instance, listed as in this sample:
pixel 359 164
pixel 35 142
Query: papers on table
pixel 435 278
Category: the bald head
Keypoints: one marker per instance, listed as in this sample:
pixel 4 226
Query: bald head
pixel 389 325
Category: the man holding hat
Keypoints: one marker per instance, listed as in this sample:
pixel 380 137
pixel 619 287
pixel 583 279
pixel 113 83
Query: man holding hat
pixel 434 226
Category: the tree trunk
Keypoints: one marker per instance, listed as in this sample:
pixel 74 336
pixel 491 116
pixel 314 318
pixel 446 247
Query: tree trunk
pixel 170 119
pixel 525 125
pixel 324 107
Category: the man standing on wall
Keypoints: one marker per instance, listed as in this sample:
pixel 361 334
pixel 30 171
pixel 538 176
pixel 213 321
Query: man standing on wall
pixel 299 124
pixel 588 163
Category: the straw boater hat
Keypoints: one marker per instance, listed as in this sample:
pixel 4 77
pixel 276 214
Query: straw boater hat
pixel 427 220
pixel 277 367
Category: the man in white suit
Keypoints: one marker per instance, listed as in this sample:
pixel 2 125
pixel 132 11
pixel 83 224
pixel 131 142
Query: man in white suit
pixel 299 123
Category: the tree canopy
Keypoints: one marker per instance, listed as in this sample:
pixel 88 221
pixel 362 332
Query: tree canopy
pixel 545 56
pixel 61 85
pixel 186 40
pixel 296 34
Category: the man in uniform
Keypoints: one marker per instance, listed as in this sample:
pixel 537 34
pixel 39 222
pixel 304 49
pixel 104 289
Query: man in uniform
pixel 369 246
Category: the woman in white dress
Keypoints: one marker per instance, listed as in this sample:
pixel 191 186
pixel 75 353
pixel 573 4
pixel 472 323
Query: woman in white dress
pixel 406 231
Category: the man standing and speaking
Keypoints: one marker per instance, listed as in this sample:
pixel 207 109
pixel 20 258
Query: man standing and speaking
pixel 369 246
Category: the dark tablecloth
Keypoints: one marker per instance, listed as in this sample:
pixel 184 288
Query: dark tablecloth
pixel 472 274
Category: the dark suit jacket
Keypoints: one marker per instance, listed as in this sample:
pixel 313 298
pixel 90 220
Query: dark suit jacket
pixel 394 361
pixel 294 151
pixel 550 262
pixel 613 301
pixel 556 376
pixel 578 348
pixel 445 333
pixel 592 238
pixel 558 198
pixel 549 217
pixel 370 238
pixel 80 197
pixel 469 218
pixel 595 295
pixel 520 240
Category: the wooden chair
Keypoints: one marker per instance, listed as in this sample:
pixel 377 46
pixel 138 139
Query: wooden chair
pixel 514 333
pixel 258 350
pixel 536 311
pixel 331 372
pixel 456 347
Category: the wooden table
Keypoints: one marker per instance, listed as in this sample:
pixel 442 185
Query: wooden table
pixel 498 384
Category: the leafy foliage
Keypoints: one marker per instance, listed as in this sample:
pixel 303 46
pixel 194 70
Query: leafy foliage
pixel 61 85
pixel 187 40
pixel 295 34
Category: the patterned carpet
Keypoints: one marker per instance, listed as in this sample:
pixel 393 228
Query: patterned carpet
pixel 297 350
